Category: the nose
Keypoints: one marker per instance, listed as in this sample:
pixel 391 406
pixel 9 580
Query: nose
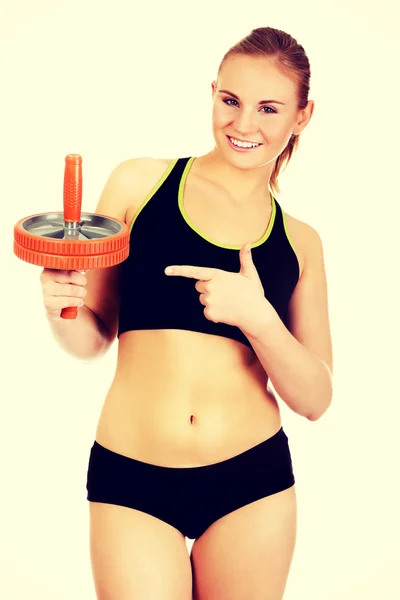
pixel 245 123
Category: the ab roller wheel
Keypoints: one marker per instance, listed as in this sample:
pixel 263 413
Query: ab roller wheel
pixel 71 240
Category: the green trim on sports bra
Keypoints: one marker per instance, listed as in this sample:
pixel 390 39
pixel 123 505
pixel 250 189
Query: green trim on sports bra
pixel 287 235
pixel 192 226
pixel 154 190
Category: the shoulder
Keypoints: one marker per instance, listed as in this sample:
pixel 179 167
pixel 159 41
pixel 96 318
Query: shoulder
pixel 138 173
pixel 139 176
pixel 305 240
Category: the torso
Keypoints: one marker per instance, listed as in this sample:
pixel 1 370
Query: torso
pixel 182 398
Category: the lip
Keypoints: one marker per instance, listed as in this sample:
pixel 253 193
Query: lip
pixel 238 149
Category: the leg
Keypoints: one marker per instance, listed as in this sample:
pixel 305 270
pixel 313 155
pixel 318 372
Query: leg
pixel 137 556
pixel 246 555
pixel 137 544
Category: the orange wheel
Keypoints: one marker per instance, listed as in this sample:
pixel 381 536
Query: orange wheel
pixel 71 240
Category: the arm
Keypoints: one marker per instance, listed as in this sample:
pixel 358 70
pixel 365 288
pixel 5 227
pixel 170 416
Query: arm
pixel 84 337
pixel 95 328
pixel 298 360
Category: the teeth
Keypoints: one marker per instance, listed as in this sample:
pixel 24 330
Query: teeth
pixel 243 144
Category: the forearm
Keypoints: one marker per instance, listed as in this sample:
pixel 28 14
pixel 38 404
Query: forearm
pixel 302 379
pixel 83 338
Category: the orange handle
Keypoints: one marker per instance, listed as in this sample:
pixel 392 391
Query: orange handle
pixel 72 188
pixel 72 205
pixel 71 312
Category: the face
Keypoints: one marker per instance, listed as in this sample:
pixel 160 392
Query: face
pixel 244 109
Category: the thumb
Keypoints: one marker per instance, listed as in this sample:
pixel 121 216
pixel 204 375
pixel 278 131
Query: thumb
pixel 247 266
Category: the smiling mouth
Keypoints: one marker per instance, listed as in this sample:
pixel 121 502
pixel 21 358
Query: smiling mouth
pixel 243 143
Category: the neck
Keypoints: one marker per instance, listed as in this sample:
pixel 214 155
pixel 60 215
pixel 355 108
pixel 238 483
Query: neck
pixel 244 186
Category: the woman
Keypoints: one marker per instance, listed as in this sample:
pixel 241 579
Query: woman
pixel 189 440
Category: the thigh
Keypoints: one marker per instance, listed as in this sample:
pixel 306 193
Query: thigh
pixel 135 555
pixel 246 555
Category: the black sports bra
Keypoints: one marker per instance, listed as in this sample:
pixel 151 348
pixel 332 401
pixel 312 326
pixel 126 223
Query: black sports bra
pixel 162 234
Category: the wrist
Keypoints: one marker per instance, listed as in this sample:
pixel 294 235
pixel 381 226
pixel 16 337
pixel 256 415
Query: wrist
pixel 262 318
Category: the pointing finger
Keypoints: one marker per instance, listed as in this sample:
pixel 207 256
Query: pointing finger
pixel 203 273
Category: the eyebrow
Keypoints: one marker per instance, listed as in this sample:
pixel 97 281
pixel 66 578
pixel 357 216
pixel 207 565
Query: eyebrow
pixel 261 101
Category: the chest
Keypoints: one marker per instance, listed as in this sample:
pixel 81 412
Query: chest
pixel 217 218
pixel 226 224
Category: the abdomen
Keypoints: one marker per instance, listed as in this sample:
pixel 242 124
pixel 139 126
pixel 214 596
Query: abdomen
pixel 182 398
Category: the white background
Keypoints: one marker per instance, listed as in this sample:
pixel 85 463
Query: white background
pixel 118 80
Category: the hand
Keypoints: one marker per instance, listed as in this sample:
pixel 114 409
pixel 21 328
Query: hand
pixel 61 289
pixel 233 298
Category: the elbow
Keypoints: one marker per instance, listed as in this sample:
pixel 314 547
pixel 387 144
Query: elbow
pixel 317 414
pixel 94 353
pixel 313 416
pixel 322 404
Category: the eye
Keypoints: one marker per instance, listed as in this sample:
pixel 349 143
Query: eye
pixel 273 111
pixel 229 100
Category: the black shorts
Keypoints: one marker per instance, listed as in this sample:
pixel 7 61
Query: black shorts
pixel 191 498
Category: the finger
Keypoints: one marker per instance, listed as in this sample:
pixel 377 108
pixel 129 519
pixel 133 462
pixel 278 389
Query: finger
pixel 68 290
pixel 203 273
pixel 64 276
pixel 60 302
pixel 57 296
pixel 202 286
pixel 202 299
pixel 209 315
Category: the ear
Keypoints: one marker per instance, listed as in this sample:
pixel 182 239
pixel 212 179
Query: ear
pixel 213 87
pixel 304 117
